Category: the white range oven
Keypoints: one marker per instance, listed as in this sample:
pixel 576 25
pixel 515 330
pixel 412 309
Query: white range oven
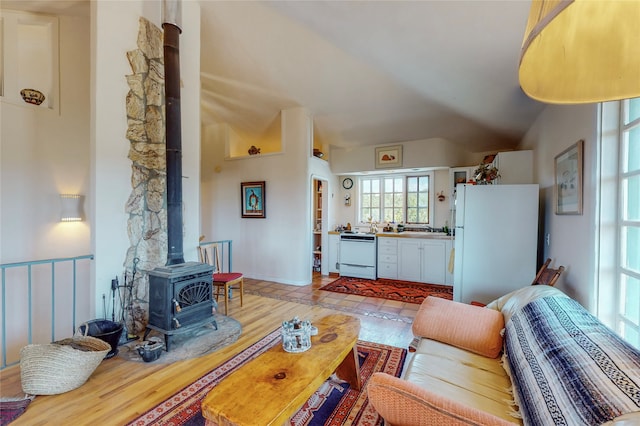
pixel 358 255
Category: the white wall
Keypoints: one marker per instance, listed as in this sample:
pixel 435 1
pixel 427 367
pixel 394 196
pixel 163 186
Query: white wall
pixel 572 237
pixel 114 32
pixel 45 153
pixel 277 247
pixel 435 152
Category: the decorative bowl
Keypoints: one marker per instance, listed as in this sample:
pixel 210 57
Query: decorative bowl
pixel 32 96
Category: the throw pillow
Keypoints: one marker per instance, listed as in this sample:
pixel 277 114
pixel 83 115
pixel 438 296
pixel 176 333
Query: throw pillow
pixel 468 327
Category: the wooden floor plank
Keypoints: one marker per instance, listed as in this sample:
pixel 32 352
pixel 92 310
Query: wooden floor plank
pixel 119 390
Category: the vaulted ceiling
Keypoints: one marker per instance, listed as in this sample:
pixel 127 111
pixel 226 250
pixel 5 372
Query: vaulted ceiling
pixel 369 72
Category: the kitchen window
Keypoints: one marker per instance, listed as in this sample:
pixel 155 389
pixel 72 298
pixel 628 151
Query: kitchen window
pixel 396 198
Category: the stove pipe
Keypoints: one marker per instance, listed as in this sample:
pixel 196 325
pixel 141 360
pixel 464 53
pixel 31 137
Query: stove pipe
pixel 171 17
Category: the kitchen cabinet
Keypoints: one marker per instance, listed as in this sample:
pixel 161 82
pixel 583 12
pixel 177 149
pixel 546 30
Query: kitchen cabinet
pixel 458 175
pixel 334 252
pixel 424 260
pixel 388 258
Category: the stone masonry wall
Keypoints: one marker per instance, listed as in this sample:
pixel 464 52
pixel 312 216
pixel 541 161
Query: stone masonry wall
pixel 146 206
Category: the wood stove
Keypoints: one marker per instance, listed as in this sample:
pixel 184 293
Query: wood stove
pixel 180 299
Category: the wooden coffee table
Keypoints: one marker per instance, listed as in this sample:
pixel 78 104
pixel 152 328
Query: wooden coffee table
pixel 271 388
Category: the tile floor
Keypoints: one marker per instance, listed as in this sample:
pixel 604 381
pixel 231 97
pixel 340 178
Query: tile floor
pixel 382 321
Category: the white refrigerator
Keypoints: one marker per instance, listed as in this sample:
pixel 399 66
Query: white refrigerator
pixel 496 240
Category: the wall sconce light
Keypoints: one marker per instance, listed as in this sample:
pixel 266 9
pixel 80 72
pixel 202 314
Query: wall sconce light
pixel 71 207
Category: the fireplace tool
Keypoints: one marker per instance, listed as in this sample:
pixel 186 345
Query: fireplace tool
pixel 127 304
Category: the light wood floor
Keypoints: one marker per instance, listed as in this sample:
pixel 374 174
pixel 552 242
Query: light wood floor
pixel 118 391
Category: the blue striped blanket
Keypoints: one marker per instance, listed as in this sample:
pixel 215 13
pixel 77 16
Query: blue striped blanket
pixel 567 368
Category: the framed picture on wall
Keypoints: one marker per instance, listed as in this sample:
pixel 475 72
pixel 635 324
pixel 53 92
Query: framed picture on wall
pixel 388 156
pixel 253 198
pixel 568 179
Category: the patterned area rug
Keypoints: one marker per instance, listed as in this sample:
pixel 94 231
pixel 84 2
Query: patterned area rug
pixel 333 404
pixel 403 291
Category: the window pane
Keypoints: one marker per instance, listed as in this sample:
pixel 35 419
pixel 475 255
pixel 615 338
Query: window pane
pixel 631 198
pixel 375 185
pixel 412 215
pixel 631 248
pixel 633 110
pixel 388 185
pixel 630 334
pixel 412 184
pixel 631 151
pixel 366 200
pixel 423 216
pixel 424 184
pixel 375 200
pixel 398 184
pixel 630 295
pixel 423 200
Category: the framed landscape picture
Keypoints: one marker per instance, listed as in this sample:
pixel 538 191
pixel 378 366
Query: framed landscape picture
pixel 253 197
pixel 568 179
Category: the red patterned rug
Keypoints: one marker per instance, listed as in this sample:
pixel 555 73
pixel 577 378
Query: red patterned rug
pixel 333 404
pixel 403 291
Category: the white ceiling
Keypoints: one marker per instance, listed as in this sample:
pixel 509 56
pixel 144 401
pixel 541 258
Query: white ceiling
pixel 370 72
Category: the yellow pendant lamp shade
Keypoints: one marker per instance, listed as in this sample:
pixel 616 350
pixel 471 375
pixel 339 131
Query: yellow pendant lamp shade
pixel 581 51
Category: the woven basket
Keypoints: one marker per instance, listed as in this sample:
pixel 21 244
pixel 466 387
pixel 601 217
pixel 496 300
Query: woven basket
pixel 58 367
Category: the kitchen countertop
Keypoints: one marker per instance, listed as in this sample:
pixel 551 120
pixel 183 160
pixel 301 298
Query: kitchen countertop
pixel 414 234
pixel 409 234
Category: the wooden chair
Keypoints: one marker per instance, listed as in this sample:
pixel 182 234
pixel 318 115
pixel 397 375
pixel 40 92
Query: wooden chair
pixel 546 275
pixel 222 281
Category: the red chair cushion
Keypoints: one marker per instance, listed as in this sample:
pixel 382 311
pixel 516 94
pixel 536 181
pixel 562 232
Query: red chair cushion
pixel 223 278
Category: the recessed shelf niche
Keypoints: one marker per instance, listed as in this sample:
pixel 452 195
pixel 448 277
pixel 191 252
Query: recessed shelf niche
pixel 29 57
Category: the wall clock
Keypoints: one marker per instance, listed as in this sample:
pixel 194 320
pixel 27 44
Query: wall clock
pixel 347 183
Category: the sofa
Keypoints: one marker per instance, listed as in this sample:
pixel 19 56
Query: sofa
pixel 534 356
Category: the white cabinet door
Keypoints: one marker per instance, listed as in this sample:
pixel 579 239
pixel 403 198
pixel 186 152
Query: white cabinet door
pixel 409 259
pixel 424 260
pixel 434 265
pixel 334 252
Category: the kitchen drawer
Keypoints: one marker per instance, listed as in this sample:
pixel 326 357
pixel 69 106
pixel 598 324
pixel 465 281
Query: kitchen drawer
pixel 387 258
pixel 387 246
pixel 388 270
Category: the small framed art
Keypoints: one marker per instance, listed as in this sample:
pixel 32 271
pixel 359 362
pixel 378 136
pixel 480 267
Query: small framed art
pixel 253 198
pixel 388 156
pixel 568 179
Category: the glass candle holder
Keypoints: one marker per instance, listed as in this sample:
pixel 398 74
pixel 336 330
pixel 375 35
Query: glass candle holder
pixel 296 335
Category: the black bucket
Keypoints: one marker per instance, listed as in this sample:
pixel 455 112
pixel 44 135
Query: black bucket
pixel 106 330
